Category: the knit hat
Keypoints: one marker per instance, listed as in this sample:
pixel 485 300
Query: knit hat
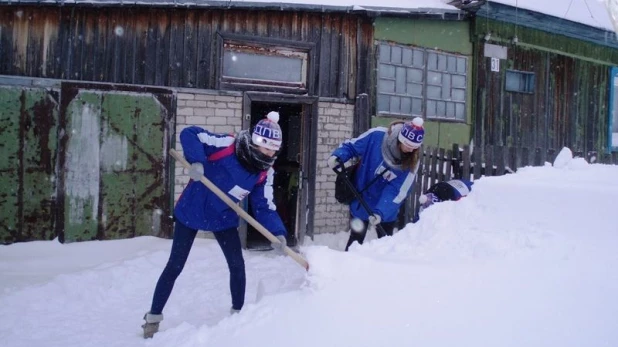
pixel 412 133
pixel 267 133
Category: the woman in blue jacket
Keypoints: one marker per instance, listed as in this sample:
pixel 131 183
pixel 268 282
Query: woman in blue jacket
pixel 392 153
pixel 239 166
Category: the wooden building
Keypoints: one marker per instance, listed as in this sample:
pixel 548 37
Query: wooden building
pixel 543 81
pixel 94 94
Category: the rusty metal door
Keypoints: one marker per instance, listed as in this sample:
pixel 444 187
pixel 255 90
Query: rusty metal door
pixel 28 119
pixel 115 171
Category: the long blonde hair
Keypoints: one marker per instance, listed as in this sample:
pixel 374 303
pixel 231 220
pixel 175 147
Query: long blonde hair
pixel 409 160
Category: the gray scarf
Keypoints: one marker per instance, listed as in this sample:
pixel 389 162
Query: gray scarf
pixel 249 156
pixel 390 147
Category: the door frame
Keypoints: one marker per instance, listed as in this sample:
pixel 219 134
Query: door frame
pixel 309 120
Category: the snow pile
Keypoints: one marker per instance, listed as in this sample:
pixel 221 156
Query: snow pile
pixel 527 259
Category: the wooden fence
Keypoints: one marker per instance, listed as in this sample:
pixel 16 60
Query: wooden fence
pixel 439 164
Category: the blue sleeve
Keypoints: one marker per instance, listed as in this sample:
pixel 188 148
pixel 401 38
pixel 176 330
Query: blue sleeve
pixel 356 147
pixel 198 144
pixel 263 206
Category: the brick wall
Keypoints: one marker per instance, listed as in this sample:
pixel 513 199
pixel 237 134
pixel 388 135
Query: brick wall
pixel 221 112
pixel 334 126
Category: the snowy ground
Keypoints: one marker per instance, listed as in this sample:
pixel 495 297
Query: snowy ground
pixel 527 259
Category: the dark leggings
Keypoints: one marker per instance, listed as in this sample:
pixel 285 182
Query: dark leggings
pixel 183 240
pixel 360 236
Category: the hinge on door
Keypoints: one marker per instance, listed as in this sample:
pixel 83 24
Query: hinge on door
pixel 301 180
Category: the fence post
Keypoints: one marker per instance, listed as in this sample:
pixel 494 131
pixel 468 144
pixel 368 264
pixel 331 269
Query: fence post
pixel 465 173
pixel 434 167
pixel 513 159
pixel 525 157
pixel 441 164
pixel 448 169
pixel 457 162
pixel 489 161
pixel 551 155
pixel 478 162
pixel 537 157
pixel 499 159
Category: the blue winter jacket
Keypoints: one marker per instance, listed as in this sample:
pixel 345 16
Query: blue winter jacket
pixel 200 208
pixel 385 195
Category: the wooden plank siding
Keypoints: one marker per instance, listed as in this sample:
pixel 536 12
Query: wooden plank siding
pixel 174 47
pixel 569 105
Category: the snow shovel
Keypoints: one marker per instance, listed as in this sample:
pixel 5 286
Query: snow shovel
pixel 244 215
pixel 379 230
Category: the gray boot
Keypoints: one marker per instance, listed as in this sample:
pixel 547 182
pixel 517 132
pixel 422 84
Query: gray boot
pixel 152 324
pixel 233 310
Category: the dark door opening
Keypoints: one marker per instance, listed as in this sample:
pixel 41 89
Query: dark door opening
pixel 287 170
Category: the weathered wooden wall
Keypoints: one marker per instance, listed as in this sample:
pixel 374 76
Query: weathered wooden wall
pixel 173 47
pixel 569 106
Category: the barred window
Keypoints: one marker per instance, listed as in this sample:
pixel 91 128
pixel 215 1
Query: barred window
pixel 419 82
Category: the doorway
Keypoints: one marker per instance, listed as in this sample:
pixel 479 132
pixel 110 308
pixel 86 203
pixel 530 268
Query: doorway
pixel 287 168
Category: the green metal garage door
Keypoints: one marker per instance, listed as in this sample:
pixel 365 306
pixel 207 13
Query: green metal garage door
pixel 115 171
pixel 28 120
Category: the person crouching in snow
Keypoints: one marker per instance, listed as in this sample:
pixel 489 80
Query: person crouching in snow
pixel 240 166
pixel 452 190
pixel 388 161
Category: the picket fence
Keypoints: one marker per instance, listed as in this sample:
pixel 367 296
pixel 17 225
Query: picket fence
pixel 467 162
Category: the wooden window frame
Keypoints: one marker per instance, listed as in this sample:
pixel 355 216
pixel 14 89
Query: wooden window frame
pixel 425 84
pixel 526 74
pixel 268 44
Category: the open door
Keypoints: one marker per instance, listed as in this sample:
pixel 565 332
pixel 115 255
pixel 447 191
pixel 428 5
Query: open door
pixel 292 167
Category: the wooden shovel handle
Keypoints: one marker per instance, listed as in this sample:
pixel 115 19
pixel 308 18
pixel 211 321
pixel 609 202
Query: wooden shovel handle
pixel 242 213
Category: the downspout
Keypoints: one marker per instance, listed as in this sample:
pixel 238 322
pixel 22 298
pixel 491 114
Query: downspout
pixel 547 96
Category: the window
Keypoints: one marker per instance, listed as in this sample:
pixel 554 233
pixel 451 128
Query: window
pixel 259 64
pixel 518 81
pixel 613 111
pixel 416 81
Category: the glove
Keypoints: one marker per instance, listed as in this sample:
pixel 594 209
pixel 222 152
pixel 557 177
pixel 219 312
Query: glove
pixel 333 162
pixel 196 171
pixel 374 220
pixel 428 199
pixel 278 246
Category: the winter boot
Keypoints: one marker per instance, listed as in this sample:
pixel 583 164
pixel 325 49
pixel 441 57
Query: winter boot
pixel 152 324
pixel 233 310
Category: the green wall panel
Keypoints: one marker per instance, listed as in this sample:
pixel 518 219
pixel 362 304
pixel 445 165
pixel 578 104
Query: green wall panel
pixel 442 134
pixel 114 158
pixel 449 36
pixel 27 158
pixel 81 169
pixel 9 163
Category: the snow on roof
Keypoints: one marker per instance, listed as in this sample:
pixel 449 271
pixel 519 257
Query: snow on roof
pixel 589 12
pixel 401 6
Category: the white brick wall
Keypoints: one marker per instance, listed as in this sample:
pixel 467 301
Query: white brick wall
pixel 223 114
pixel 210 110
pixel 334 127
